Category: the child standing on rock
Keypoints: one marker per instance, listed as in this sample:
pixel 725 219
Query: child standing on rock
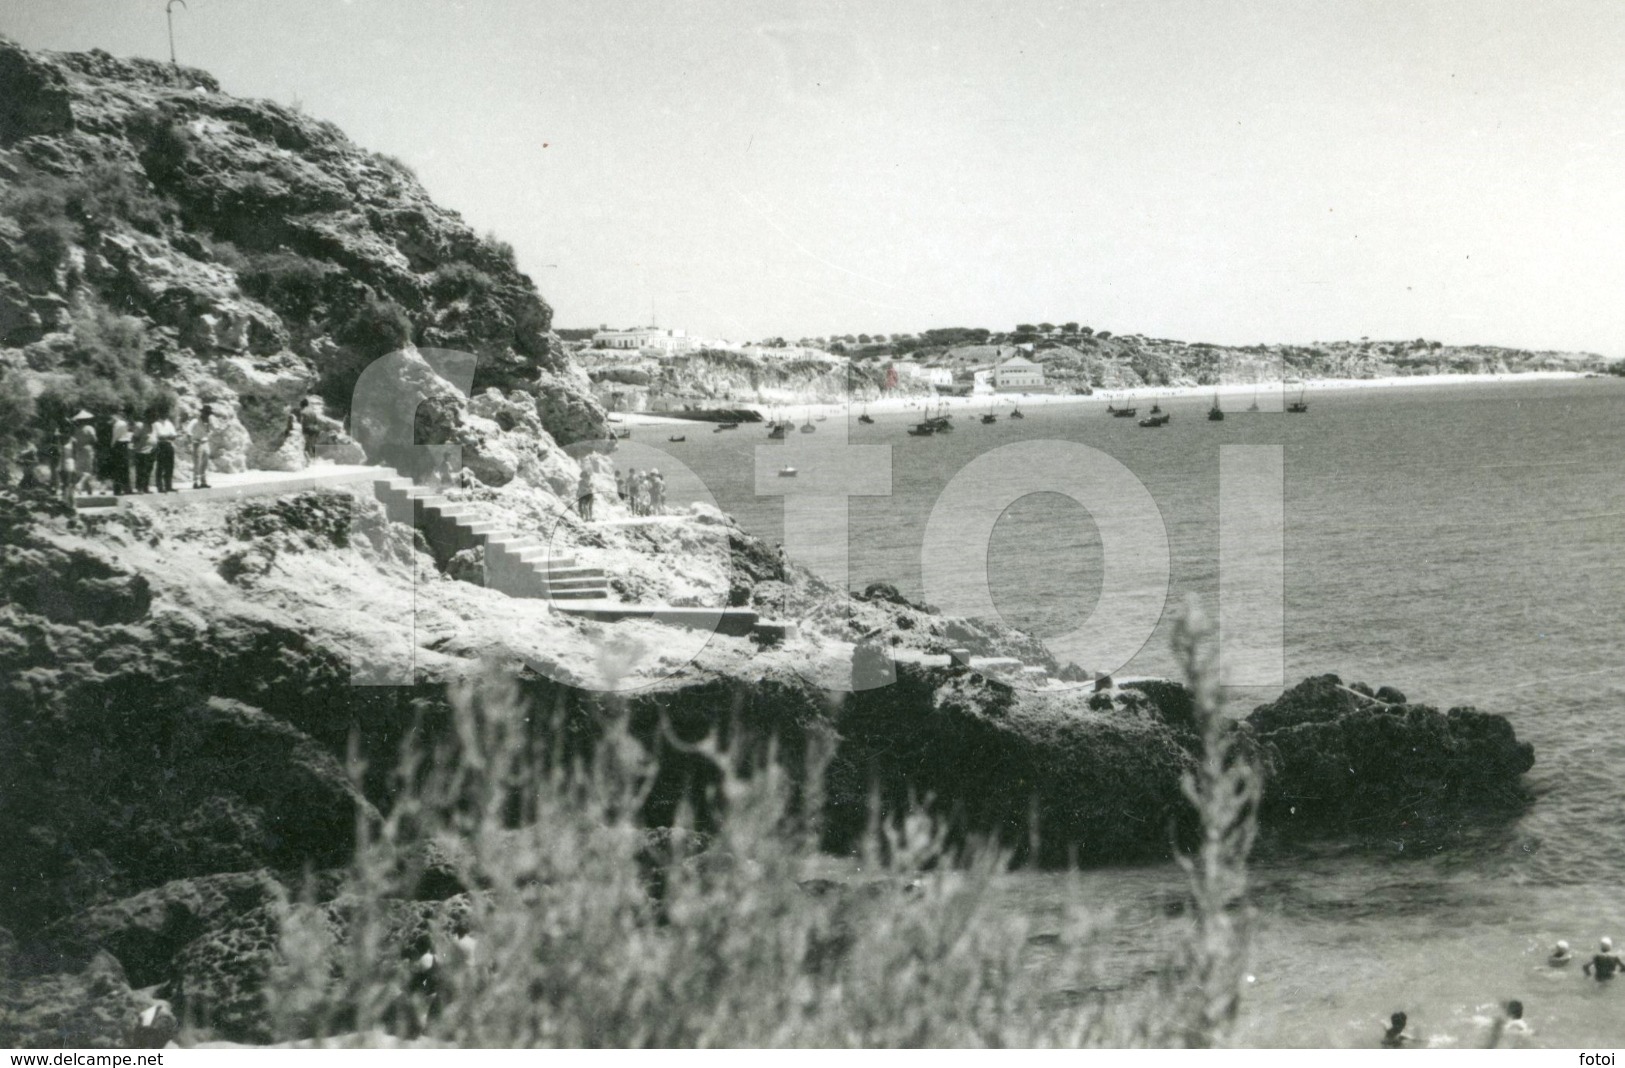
pixel 584 495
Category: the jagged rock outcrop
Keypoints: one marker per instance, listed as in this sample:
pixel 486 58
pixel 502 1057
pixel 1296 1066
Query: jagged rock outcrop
pixel 1340 762
pixel 163 243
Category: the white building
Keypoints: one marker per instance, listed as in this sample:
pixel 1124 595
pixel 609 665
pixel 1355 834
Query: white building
pixel 646 339
pixel 1017 374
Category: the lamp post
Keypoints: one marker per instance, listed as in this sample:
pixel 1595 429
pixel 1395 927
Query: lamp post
pixel 169 15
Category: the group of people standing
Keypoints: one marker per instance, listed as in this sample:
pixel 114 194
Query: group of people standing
pixel 124 453
pixel 642 492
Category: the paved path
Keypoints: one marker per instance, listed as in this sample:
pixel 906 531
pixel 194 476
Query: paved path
pixel 224 486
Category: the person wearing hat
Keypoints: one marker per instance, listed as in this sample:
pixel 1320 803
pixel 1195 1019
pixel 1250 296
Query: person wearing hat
pixel 1604 963
pixel 163 433
pixel 84 450
pixel 197 431
pixel 1561 956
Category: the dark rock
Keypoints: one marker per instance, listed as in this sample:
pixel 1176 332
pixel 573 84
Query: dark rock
pixel 56 1003
pixel 223 979
pixel 147 930
pixel 34 97
pixel 1339 764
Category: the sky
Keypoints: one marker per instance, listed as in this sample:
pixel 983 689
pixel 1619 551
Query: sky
pixel 1211 170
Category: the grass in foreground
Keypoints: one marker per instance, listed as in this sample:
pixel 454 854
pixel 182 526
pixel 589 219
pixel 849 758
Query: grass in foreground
pixel 588 930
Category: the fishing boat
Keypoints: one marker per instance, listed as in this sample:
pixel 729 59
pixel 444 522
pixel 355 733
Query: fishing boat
pixel 1298 406
pixel 1160 419
pixel 678 437
pixel 989 417
pixel 922 430
pixel 1215 414
pixel 1015 413
pixel 1156 409
pixel 787 472
pixel 866 417
pixel 1121 413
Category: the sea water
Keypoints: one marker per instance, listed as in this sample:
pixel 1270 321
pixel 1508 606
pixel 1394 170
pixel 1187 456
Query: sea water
pixel 1463 543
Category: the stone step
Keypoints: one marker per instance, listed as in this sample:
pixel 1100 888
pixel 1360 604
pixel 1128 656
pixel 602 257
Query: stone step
pixel 773 631
pixel 735 621
pixel 595 582
pixel 597 594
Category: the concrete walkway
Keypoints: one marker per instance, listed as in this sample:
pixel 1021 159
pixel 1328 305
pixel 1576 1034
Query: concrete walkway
pixel 230 486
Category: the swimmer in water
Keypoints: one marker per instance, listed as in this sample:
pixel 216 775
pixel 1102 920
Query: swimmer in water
pixel 1395 1036
pixel 1561 957
pixel 1605 962
pixel 1515 1027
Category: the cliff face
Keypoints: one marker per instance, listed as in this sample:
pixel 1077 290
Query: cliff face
pixel 628 382
pixel 157 234
pixel 1081 361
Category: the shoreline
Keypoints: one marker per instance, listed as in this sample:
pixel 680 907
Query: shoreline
pixel 1271 395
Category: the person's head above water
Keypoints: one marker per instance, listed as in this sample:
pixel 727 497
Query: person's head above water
pixel 1607 945
pixel 1396 1022
pixel 1515 1009
pixel 1562 946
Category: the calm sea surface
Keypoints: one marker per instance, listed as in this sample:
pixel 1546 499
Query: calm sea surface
pixel 1463 543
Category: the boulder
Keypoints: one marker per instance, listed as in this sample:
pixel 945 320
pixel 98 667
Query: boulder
pixel 1337 763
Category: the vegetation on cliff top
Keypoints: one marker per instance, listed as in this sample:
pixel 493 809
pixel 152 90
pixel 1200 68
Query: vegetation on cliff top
pixel 152 227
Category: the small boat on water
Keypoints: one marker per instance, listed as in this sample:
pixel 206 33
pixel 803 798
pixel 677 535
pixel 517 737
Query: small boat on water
pixel 725 426
pixel 1156 409
pixel 624 433
pixel 1160 419
pixel 678 437
pixel 1299 406
pixel 822 418
pixel 1215 414
pixel 989 417
pixel 787 472
pixel 1121 413
pixel 807 427
pixel 1015 413
pixel 866 417
pixel 922 430
pixel 777 431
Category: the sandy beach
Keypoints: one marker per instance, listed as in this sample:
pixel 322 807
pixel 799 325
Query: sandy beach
pixel 1271 396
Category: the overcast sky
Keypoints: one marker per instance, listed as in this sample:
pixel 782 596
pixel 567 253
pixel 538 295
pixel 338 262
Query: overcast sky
pixel 1209 170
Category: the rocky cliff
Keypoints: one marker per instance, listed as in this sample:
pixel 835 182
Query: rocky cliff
pixel 163 242
pixel 632 382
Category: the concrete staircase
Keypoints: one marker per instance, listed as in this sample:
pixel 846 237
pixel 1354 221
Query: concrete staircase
pixel 518 565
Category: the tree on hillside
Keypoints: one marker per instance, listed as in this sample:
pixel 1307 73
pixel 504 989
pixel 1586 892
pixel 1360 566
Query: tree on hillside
pixel 863 339
pixel 1026 328
pixel 1046 328
pixel 1069 328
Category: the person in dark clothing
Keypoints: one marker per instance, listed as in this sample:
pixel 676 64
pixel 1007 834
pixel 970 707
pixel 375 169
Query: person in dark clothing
pixel 1395 1037
pixel 122 454
pixel 144 450
pixel 310 425
pixel 1604 963
pixel 163 438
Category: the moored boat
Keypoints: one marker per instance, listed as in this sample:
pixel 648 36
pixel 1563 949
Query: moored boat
pixel 1215 414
